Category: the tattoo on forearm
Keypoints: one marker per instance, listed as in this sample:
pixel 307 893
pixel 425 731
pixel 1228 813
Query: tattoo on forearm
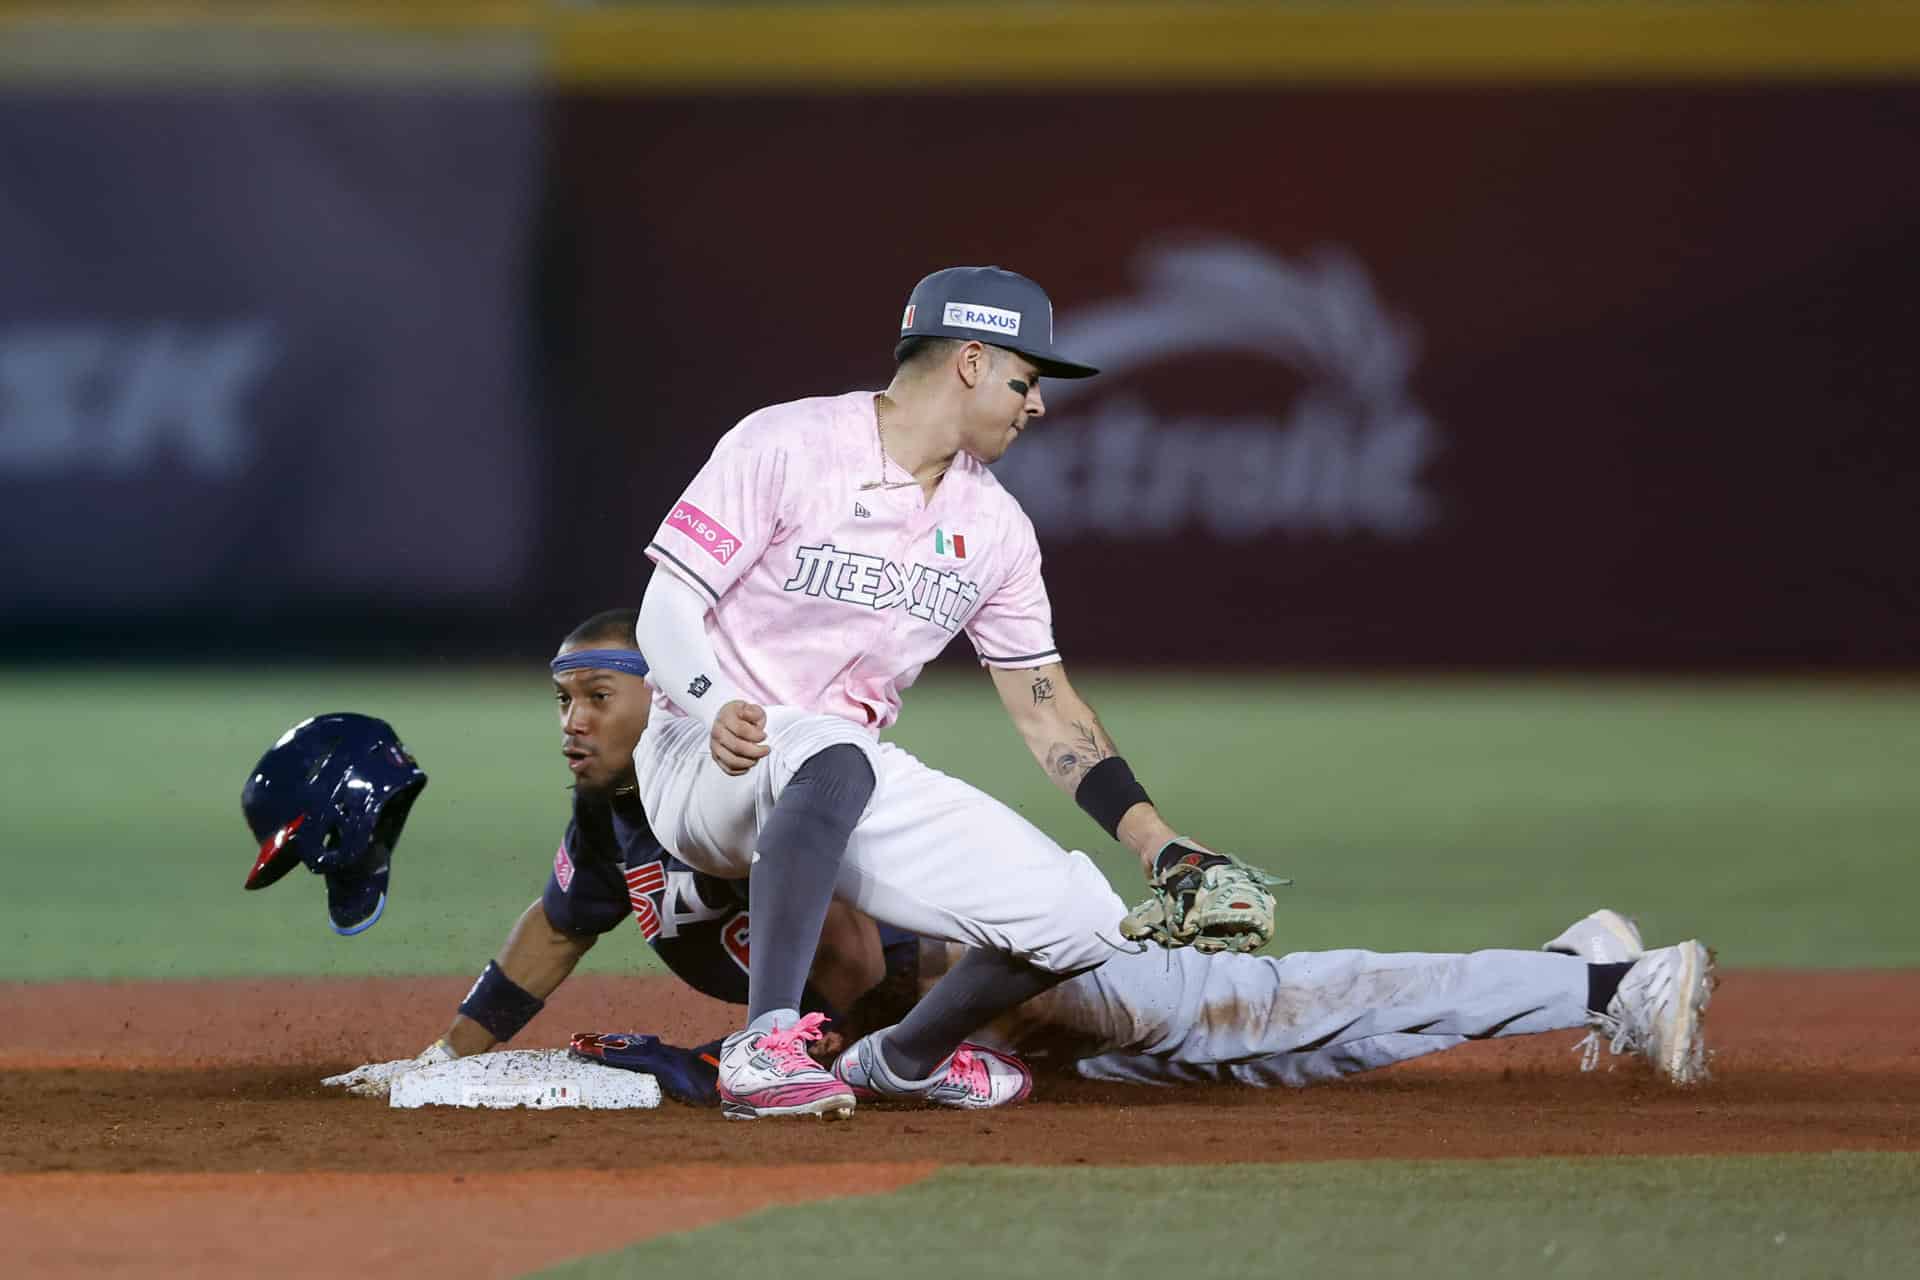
pixel 1042 690
pixel 1089 746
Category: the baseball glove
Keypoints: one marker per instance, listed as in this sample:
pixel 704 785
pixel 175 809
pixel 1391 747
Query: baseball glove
pixel 691 1076
pixel 1205 900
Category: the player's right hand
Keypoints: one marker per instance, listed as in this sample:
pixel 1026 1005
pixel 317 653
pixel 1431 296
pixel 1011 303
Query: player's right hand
pixel 739 736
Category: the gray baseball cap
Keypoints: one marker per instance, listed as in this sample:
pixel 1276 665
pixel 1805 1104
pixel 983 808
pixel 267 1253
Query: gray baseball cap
pixel 987 304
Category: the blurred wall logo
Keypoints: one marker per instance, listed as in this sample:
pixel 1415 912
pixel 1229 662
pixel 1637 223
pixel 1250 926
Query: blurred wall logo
pixel 107 398
pixel 1344 457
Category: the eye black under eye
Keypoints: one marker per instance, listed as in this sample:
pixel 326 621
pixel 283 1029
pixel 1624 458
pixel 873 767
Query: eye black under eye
pixel 1018 386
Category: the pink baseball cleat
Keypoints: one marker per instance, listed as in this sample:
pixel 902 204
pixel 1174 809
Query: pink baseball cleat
pixel 974 1078
pixel 768 1073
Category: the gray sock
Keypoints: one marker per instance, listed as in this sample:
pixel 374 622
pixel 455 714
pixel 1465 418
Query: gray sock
pixel 792 880
pixel 774 1019
pixel 984 985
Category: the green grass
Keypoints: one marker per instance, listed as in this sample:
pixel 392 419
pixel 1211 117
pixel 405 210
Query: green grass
pixel 1845 1214
pixel 1777 820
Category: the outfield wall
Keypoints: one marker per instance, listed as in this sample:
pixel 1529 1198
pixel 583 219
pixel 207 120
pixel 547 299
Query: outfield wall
pixel 1536 337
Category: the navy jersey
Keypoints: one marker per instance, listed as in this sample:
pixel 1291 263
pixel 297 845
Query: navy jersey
pixel 609 867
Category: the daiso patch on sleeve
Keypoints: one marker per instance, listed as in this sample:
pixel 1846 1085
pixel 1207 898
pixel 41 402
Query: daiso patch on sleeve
pixel 703 531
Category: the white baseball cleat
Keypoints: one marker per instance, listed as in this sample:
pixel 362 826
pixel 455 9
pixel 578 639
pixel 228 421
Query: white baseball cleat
pixel 768 1073
pixel 1659 1012
pixel 1605 937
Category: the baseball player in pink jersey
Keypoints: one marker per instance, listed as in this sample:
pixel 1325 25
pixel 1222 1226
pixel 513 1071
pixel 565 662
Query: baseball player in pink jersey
pixel 828 549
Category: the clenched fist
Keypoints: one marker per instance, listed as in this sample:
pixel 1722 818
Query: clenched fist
pixel 739 736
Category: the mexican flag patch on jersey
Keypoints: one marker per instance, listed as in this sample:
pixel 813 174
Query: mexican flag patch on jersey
pixel 949 544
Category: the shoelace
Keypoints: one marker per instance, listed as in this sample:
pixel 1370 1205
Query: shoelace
pixel 787 1046
pixel 1622 1040
pixel 968 1070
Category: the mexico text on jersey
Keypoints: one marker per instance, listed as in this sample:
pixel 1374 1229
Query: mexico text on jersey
pixel 830 598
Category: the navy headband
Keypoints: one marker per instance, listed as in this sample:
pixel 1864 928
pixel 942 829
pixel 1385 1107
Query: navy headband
pixel 627 660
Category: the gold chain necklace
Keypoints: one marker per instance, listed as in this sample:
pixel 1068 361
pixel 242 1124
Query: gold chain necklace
pixel 880 429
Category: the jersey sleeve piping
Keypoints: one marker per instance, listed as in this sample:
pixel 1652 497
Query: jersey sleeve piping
pixel 1020 660
pixel 682 569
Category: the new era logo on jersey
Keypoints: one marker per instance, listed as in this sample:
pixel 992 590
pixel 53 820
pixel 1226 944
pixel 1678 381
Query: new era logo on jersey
pixel 703 529
pixel 949 544
pixel 861 513
pixel 971 315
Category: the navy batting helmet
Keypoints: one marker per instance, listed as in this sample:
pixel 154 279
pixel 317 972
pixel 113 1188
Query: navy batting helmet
pixel 333 793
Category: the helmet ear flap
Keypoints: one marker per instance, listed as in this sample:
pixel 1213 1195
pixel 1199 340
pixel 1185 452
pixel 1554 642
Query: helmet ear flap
pixel 328 843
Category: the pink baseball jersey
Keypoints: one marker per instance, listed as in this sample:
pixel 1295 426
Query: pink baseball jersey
pixel 832 597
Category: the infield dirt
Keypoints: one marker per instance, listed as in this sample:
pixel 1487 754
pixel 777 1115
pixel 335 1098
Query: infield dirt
pixel 166 1128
